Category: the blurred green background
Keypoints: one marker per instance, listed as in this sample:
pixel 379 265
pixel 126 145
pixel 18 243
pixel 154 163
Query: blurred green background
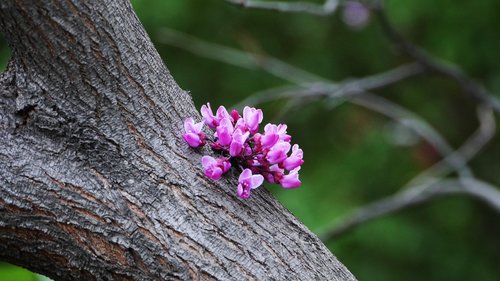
pixel 350 159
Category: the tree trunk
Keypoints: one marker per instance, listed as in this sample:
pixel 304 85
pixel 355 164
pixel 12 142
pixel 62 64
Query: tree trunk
pixel 95 181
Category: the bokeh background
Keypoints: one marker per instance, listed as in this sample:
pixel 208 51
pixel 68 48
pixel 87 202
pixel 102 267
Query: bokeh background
pixel 354 156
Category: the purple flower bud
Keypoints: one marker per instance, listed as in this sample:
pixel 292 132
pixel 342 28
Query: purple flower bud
pixel 355 14
pixel 247 182
pixel 291 180
pixel 193 136
pixel 295 158
pixel 235 114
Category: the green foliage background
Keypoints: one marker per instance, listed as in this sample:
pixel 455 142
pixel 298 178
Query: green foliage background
pixel 349 160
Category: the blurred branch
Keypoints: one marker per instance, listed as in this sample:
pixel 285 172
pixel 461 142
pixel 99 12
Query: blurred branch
pixel 471 87
pixel 413 196
pixel 482 190
pixel 329 6
pixel 354 91
pixel 414 122
pixel 313 85
pixel 457 160
pixel 417 192
pixel 236 57
pixel 467 151
pixel 347 88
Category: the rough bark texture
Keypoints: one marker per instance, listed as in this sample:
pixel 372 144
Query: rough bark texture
pixel 95 183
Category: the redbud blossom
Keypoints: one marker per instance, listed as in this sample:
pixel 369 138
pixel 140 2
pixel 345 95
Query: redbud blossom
pixel 208 116
pixel 193 136
pixel 237 141
pixel 222 113
pixel 278 152
pixel 214 168
pixel 252 117
pixel 246 182
pixel 225 132
pixel 291 180
pixel 295 158
pixel 273 133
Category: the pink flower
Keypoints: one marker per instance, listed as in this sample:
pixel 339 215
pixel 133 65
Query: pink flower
pixel 238 142
pixel 214 120
pixel 295 158
pixel 278 152
pixel 281 131
pixel 247 182
pixel 214 168
pixel 273 133
pixel 240 124
pixel 222 113
pixel 291 180
pixel 253 117
pixel 225 132
pixel 270 137
pixel 236 139
pixel 208 116
pixel 193 136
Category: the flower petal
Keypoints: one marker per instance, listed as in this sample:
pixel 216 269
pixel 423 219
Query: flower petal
pixel 208 161
pixel 245 175
pixel 192 139
pixel 257 180
pixel 188 125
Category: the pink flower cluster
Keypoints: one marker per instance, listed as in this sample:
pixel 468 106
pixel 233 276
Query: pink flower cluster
pixel 238 143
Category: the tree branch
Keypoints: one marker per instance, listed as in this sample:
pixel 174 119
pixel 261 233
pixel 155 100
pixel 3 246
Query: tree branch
pixel 412 121
pixel 419 190
pixel 312 84
pixel 413 196
pixel 470 87
pixel 466 152
pixel 236 57
pixel 338 91
pixel 328 8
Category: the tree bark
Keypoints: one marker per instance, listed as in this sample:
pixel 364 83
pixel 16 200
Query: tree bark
pixel 95 182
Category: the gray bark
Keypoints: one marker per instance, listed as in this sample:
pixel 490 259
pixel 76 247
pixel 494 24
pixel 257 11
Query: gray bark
pixel 95 182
